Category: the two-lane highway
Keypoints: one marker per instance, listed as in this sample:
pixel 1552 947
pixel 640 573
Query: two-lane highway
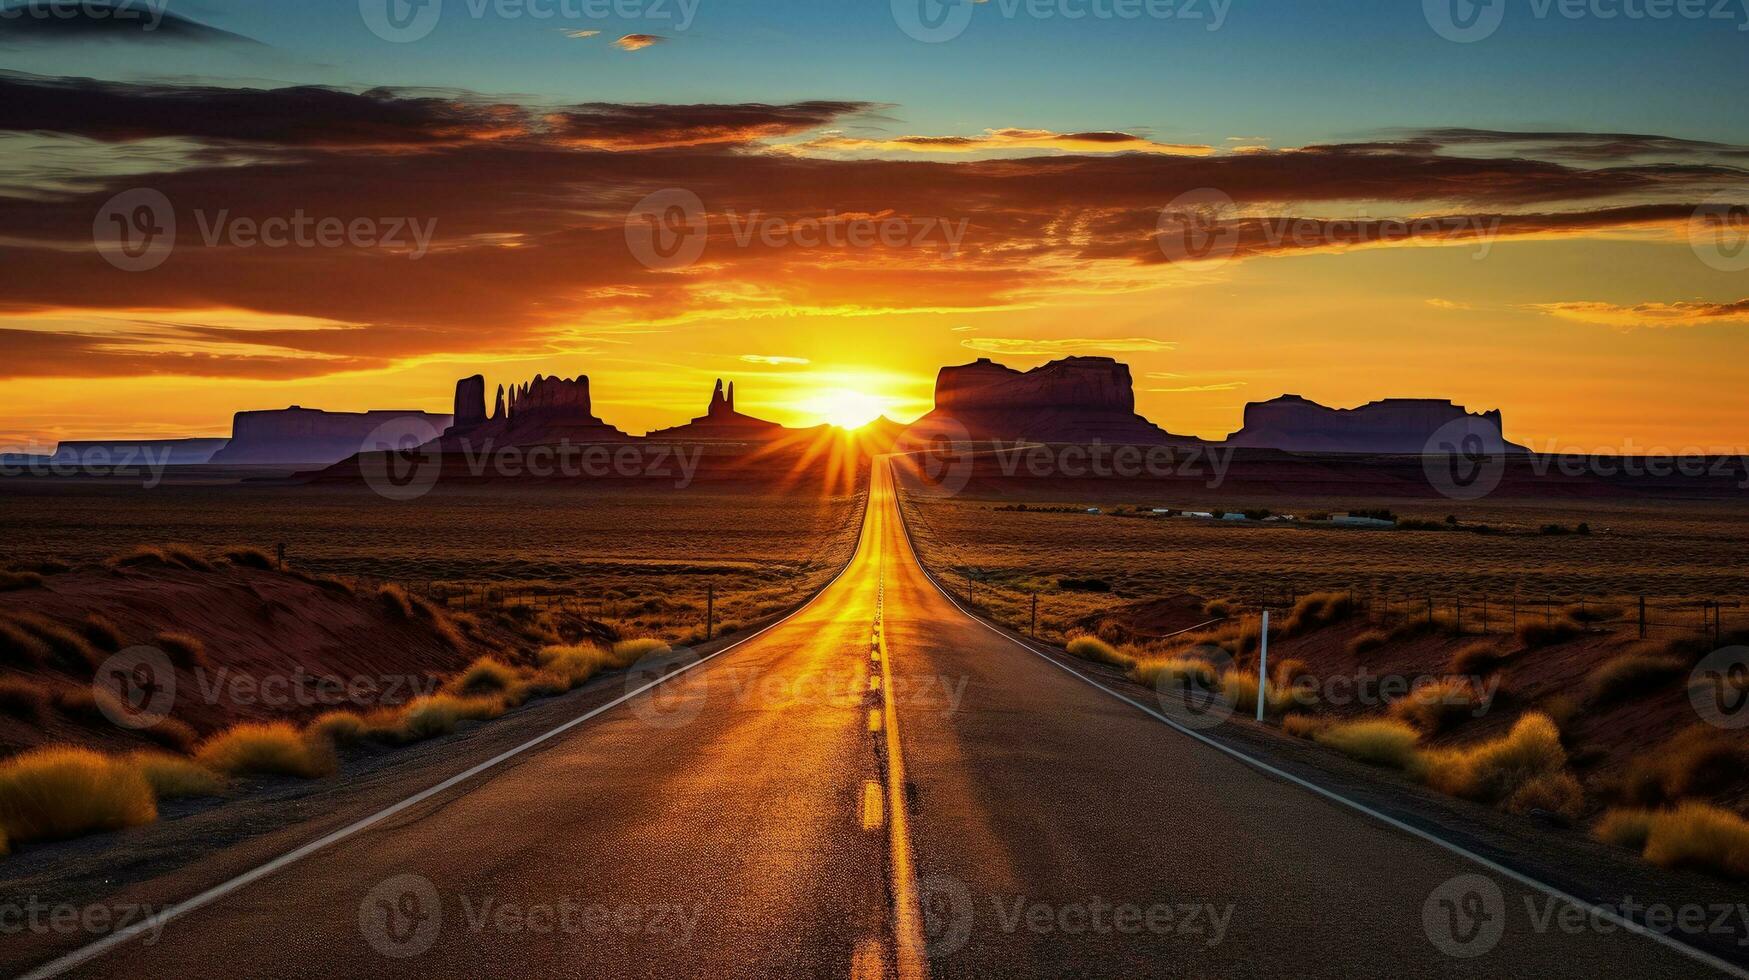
pixel 878 786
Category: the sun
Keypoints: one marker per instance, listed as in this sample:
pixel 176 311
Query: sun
pixel 848 409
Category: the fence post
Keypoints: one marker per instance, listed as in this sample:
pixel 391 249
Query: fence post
pixel 710 611
pixel 1263 667
pixel 1035 615
pixel 1430 611
pixel 1484 615
pixel 1642 617
pixel 1458 607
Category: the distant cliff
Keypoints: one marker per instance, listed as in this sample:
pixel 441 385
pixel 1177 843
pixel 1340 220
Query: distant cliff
pixel 298 435
pixel 544 411
pixel 137 452
pixel 1394 425
pixel 1073 400
pixel 722 423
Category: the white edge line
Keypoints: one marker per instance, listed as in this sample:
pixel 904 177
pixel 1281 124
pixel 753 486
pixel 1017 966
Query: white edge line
pixel 1699 955
pixel 93 950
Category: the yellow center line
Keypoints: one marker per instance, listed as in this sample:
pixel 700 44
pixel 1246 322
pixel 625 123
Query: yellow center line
pixel 908 920
pixel 874 807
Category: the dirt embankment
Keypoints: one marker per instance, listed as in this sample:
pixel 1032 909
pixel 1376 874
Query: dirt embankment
pixel 240 640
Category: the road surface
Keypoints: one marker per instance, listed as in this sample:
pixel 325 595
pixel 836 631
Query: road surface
pixel 879 786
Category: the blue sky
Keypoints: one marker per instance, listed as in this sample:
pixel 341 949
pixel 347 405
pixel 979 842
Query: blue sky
pixel 1291 71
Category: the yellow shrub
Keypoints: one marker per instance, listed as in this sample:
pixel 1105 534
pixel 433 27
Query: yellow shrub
pixel 1378 742
pixel 266 749
pixel 486 675
pixel 1304 726
pixel 1175 671
pixel 1100 652
pixel 1443 704
pixel 60 792
pixel 1239 687
pixel 439 714
pixel 628 652
pixel 338 728
pixel 173 777
pixel 1490 772
pixel 1694 836
pixel 1555 792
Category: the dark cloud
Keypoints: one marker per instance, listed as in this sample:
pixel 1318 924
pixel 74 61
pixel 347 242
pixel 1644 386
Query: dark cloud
pixel 530 205
pixel 33 22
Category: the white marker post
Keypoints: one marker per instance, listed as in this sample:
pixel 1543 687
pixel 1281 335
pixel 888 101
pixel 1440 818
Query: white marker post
pixel 1263 667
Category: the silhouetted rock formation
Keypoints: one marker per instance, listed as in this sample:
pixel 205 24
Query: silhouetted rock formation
pixel 720 422
pixel 298 435
pixel 136 452
pixel 1394 425
pixel 544 411
pixel 1074 400
pixel 470 401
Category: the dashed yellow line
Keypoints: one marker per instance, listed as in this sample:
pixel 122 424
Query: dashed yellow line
pixel 907 917
pixel 874 806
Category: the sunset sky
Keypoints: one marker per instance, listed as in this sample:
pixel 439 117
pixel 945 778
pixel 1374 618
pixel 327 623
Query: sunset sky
pixel 1589 310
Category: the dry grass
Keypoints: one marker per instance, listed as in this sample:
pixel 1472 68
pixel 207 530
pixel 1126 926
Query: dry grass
pixel 174 777
pixel 1098 651
pixel 58 792
pixel 69 648
pixel 1240 689
pixel 162 556
pixel 433 715
pixel 1424 625
pixel 101 633
pixel 1537 633
pixel 1367 642
pixel 13 581
pixel 1552 792
pixel 395 601
pixel 338 728
pixel 1378 742
pixel 1698 761
pixel 1442 705
pixel 1492 771
pixel 265 749
pixel 1477 660
pixel 21 648
pixel 1304 726
pixel 1318 610
pixel 251 558
pixel 1632 675
pixel 184 650
pixel 486 675
pixel 1180 672
pixel 1694 836
pixel 24 699
pixel 1592 612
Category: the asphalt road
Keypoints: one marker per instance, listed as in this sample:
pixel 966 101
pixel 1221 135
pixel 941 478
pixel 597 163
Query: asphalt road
pixel 881 786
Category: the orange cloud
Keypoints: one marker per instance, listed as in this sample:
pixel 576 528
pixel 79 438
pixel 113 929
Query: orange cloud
pixel 638 42
pixel 1681 314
